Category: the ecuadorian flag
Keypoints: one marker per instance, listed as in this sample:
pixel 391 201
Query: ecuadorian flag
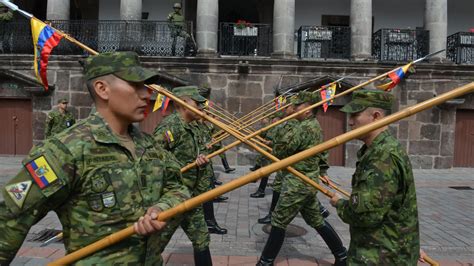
pixel 41 172
pixel 45 39
pixel 395 77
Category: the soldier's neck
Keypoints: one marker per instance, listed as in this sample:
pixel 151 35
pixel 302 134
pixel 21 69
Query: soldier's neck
pixel 117 125
pixel 372 135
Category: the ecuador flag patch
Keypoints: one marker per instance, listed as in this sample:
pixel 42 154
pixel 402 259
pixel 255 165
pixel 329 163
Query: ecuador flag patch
pixel 42 172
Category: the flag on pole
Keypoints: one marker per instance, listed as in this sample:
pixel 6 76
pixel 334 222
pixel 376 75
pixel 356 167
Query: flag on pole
pixel 279 102
pixel 161 103
pixel 395 77
pixel 45 39
pixel 329 93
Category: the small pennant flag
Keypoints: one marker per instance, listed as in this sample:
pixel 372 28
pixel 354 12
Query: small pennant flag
pixel 279 102
pixel 329 93
pixel 162 103
pixel 395 78
pixel 45 39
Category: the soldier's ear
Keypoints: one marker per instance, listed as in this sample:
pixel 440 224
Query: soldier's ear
pixel 101 89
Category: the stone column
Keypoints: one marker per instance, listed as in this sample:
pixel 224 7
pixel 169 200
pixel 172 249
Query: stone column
pixel 57 10
pixel 436 21
pixel 283 28
pixel 207 23
pixel 361 29
pixel 130 9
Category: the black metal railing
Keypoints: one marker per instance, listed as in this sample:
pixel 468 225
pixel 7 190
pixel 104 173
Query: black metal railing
pixel 255 40
pixel 400 44
pixel 460 48
pixel 324 42
pixel 154 38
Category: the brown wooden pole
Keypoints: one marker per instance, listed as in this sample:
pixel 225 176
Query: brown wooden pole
pixel 266 170
pixel 430 261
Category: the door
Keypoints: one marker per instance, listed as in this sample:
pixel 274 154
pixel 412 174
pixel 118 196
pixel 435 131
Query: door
pixel 464 139
pixel 16 130
pixel 333 124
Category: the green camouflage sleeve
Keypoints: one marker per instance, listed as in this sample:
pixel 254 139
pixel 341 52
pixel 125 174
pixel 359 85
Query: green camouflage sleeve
pixel 174 191
pixel 28 197
pixel 49 125
pixel 374 189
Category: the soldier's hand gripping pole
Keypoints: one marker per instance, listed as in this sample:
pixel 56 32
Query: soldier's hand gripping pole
pixel 266 170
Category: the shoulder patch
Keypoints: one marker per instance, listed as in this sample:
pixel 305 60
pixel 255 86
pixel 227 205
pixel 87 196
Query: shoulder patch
pixel 169 136
pixel 18 192
pixel 41 172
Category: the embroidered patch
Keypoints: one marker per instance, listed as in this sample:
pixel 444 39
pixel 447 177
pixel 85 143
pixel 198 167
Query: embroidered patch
pixel 18 192
pixel 41 172
pixel 108 199
pixel 95 203
pixel 99 184
pixel 169 136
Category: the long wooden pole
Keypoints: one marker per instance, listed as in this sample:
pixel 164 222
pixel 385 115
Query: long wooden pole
pixel 264 171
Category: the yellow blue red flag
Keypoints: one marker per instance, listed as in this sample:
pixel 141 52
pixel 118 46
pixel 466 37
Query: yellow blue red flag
pixel 328 93
pixel 45 39
pixel 395 77
pixel 41 171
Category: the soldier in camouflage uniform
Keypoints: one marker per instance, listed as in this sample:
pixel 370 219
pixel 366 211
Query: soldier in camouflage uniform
pixel 382 210
pixel 296 196
pixel 177 26
pixel 59 119
pixel 204 138
pixel 100 176
pixel 263 160
pixel 6 32
pixel 176 134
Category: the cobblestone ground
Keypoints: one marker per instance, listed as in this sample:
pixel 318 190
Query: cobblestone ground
pixel 446 223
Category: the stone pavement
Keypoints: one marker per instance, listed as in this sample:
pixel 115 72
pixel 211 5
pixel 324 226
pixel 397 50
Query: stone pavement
pixel 446 223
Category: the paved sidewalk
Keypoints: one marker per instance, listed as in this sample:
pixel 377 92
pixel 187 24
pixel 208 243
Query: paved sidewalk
pixel 446 223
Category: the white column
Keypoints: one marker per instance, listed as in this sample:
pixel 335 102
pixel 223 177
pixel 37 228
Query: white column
pixel 436 21
pixel 130 9
pixel 207 23
pixel 361 29
pixel 57 10
pixel 283 28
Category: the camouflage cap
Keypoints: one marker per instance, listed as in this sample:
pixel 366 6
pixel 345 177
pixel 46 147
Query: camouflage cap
pixel 124 65
pixel 363 99
pixel 177 5
pixel 204 91
pixel 305 97
pixel 63 100
pixel 190 91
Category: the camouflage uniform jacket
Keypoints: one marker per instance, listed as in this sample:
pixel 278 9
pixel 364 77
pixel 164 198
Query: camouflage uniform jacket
pixel 203 133
pixel 96 187
pixel 177 19
pixel 57 122
pixel 297 136
pixel 178 137
pixel 382 211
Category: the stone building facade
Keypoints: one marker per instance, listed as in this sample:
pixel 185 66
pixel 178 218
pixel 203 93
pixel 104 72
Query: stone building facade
pixel 240 87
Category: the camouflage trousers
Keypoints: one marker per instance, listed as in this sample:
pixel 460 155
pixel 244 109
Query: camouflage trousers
pixel 295 199
pixel 193 225
pixel 277 182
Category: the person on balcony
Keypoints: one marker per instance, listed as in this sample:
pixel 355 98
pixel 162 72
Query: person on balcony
pixel 6 15
pixel 177 26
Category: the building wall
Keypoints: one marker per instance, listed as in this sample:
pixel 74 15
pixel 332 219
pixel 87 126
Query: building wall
pixel 427 136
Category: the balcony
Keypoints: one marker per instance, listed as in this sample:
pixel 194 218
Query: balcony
pixel 400 45
pixel 324 42
pixel 252 40
pixel 460 48
pixel 152 38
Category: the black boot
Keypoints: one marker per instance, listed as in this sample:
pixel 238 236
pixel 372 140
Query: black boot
pixel 272 247
pixel 217 182
pixel 334 243
pixel 221 199
pixel 212 226
pixel 268 219
pixel 260 193
pixel 227 169
pixel 203 258
pixel 255 167
pixel 324 212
